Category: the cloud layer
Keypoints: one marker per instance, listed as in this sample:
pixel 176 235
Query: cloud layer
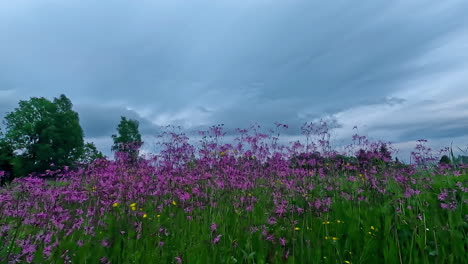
pixel 396 69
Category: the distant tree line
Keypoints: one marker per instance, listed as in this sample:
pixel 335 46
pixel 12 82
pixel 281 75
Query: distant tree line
pixel 43 135
pixel 460 159
pixel 363 159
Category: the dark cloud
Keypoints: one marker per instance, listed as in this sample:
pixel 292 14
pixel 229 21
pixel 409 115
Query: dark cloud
pixel 7 104
pixel 201 63
pixel 437 129
pixel 98 121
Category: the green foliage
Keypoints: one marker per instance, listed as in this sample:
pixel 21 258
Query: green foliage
pixel 444 160
pixel 128 138
pixel 369 231
pixel 44 132
pixel 462 159
pixel 6 157
pixel 90 153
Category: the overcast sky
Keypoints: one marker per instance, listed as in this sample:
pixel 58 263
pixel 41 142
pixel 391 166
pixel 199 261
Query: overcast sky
pixel 397 70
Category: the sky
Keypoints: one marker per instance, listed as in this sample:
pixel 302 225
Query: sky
pixel 397 70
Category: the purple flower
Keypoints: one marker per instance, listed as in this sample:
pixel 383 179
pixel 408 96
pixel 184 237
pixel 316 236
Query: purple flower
pixel 178 260
pixel 213 227
pixel 271 221
pixel 270 237
pixel 104 243
pixel 30 258
pixel 443 195
pixel 28 249
pixel 253 229
pixel 47 251
pixel 282 241
pixel 216 239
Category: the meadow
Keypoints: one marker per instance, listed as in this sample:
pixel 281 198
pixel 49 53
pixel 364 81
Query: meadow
pixel 252 202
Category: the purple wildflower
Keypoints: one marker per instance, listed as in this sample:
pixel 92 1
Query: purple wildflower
pixel 282 241
pixel 271 221
pixel 213 227
pixel 105 243
pixel 443 195
pixel 216 239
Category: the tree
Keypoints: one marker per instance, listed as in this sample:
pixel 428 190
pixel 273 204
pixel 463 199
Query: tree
pixel 128 139
pixel 6 157
pixel 43 133
pixel 462 159
pixel 90 153
pixel 444 160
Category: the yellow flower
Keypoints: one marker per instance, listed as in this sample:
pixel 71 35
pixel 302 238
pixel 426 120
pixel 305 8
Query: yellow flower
pixel 158 216
pixel 115 205
pixel 174 203
pixel 326 238
pixel 133 208
pixel 326 222
pixel 133 205
pixel 347 262
pixel 372 227
pixel 339 221
pixel 145 215
pixel 249 194
pixel 334 238
pixel 369 233
pixel 297 228
pixel 222 153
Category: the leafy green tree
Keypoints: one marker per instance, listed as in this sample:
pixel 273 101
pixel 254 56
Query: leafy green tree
pixel 444 160
pixel 44 132
pixel 6 157
pixel 128 138
pixel 90 153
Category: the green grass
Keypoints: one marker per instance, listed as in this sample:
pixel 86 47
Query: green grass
pixel 351 232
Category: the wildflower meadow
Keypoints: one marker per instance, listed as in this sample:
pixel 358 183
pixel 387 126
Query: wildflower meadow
pixel 254 201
